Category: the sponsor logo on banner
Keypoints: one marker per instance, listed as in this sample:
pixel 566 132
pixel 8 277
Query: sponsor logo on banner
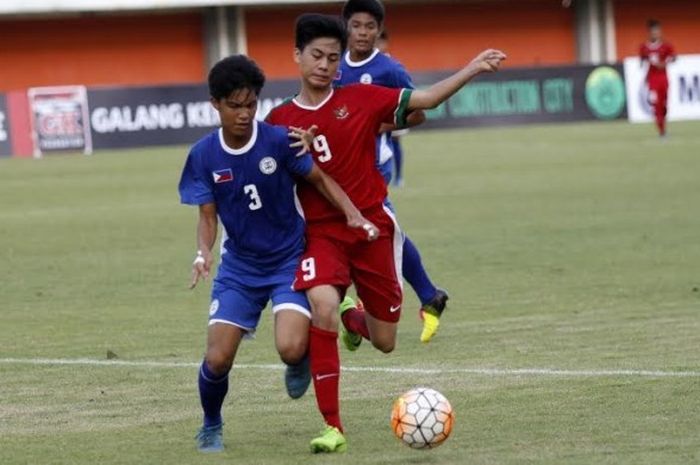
pixel 683 89
pixel 59 119
pixel 605 92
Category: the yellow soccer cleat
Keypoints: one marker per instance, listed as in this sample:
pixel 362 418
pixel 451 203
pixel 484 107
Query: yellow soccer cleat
pixel 430 313
pixel 330 440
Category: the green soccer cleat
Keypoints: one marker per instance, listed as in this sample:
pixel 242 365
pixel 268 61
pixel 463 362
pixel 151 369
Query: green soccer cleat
pixel 210 438
pixel 351 340
pixel 430 313
pixel 330 440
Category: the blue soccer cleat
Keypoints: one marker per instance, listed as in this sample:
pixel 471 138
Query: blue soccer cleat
pixel 210 438
pixel 297 378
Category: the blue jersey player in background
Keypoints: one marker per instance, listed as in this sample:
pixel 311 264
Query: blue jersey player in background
pixel 243 175
pixel 364 63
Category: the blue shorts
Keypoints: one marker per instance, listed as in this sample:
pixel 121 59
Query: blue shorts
pixel 238 298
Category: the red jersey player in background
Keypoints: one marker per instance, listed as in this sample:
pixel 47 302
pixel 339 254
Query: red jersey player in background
pixel 348 120
pixel 658 53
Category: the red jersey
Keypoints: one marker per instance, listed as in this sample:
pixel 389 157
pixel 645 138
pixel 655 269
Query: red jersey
pixel 656 53
pixel 345 148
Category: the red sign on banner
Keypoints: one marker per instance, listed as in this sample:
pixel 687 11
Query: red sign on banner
pixel 60 119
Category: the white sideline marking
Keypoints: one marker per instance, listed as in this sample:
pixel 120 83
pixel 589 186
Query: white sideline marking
pixel 400 370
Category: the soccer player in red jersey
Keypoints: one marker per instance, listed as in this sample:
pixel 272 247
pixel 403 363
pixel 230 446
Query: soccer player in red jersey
pixel 658 53
pixel 348 120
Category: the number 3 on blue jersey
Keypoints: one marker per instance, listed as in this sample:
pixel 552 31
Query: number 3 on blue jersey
pixel 321 146
pixel 252 191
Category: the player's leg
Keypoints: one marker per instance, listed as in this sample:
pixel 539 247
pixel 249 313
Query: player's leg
pixel 232 314
pixel 661 106
pixel 292 321
pixel 376 272
pixel 398 161
pixel 324 274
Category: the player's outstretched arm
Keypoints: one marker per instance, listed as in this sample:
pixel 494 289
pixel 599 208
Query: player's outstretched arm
pixel 206 236
pixel 414 118
pixel 487 61
pixel 336 196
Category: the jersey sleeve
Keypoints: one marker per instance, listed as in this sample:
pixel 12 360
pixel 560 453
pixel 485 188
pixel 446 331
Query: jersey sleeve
pixel 195 186
pixel 389 105
pixel 297 165
pixel 643 53
pixel 402 78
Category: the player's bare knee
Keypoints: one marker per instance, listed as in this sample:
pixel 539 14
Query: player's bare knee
pixel 293 351
pixel 218 362
pixel 384 346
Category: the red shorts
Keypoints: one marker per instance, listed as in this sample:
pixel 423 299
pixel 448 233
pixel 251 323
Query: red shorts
pixel 338 256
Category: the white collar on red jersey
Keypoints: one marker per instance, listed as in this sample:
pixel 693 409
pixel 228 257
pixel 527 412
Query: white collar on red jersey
pixel 357 64
pixel 308 107
pixel 249 145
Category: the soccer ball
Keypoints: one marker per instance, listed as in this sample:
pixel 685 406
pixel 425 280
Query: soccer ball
pixel 422 418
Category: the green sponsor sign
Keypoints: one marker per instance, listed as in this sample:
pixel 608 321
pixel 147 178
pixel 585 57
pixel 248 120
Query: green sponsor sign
pixel 518 96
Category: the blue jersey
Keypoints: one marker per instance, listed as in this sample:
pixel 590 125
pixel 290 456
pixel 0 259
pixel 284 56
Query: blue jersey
pixel 381 70
pixel 254 191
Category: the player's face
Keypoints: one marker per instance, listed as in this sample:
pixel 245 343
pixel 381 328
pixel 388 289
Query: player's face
pixel 655 33
pixel 318 62
pixel 237 112
pixel 363 31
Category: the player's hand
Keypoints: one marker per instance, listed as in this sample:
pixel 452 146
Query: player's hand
pixel 488 61
pixel 304 138
pixel 201 267
pixel 360 222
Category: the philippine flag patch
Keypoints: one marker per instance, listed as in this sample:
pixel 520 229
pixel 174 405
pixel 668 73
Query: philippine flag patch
pixel 222 176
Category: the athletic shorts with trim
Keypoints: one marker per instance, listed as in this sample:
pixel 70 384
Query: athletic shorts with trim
pixel 338 255
pixel 238 296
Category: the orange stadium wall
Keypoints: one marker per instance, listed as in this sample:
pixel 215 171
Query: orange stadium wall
pixel 435 36
pixel 102 50
pixel 680 20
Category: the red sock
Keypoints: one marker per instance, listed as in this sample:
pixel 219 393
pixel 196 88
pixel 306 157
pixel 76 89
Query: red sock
pixel 325 371
pixel 354 320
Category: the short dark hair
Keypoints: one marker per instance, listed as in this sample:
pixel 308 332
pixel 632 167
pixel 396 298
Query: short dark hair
pixel 372 7
pixel 233 73
pixel 653 23
pixel 311 26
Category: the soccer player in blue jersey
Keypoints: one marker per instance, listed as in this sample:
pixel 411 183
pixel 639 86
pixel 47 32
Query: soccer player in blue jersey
pixel 243 174
pixel 364 63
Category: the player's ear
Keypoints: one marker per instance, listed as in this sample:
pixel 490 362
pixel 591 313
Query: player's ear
pixel 215 103
pixel 297 56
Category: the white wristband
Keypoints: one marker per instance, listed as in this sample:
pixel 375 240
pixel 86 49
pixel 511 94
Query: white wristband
pixel 199 259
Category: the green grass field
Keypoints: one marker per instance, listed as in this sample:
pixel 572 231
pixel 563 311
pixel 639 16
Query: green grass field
pixel 571 247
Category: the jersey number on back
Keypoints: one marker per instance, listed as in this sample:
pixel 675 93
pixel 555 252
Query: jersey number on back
pixel 321 146
pixel 255 201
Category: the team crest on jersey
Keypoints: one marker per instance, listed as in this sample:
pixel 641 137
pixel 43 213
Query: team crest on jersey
pixel 341 112
pixel 366 78
pixel 213 307
pixel 268 165
pixel 222 176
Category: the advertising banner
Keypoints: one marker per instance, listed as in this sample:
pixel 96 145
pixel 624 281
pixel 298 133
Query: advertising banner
pixel 519 96
pixel 59 119
pixel 683 91
pixel 5 142
pixel 145 116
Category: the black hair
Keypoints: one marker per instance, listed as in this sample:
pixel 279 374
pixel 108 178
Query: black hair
pixel 234 73
pixel 373 8
pixel 311 26
pixel 653 23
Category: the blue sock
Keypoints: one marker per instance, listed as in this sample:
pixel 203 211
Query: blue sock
pixel 415 274
pixel 212 390
pixel 398 162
